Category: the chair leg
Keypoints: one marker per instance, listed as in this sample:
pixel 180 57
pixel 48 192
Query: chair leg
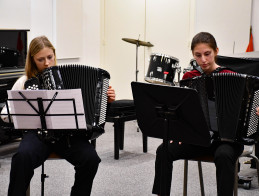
pixel 257 165
pixel 185 180
pixel 144 137
pixel 122 128
pixel 236 179
pixel 201 178
pixel 116 139
pixel 28 191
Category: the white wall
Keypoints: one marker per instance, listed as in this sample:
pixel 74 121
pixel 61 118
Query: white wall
pixel 230 24
pixel 122 19
pixel 15 14
pixel 42 23
pixel 168 28
pixel 69 28
pixel 255 23
pixel 91 33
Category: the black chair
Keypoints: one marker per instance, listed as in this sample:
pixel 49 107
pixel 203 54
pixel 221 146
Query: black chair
pixel 245 65
pixel 246 153
pixel 121 111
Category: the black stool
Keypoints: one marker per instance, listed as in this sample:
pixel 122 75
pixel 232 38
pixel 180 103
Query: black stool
pixel 119 112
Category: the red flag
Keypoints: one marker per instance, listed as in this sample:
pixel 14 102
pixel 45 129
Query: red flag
pixel 250 47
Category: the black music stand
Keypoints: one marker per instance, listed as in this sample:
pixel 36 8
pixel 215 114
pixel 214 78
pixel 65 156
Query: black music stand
pixel 170 113
pixel 40 107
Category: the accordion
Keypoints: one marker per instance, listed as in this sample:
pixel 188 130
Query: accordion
pixel 229 102
pixel 93 82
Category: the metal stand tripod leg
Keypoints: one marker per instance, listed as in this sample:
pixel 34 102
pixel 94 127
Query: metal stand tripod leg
pixel 43 176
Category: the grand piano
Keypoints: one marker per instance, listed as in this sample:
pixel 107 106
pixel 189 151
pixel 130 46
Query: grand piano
pixel 246 63
pixel 13 50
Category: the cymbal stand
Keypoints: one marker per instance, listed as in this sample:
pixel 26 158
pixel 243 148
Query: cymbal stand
pixel 178 70
pixel 137 45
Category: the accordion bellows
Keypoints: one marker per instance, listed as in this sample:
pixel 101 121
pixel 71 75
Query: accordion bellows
pixel 229 102
pixel 94 83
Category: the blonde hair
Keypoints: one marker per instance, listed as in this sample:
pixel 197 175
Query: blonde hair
pixel 36 45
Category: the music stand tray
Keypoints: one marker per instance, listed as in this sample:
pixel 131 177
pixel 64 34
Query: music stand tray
pixel 186 123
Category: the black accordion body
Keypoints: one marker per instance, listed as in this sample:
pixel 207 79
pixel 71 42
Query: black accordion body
pixel 229 102
pixel 93 82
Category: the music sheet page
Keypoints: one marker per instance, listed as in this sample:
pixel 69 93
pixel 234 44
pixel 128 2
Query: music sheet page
pixel 61 107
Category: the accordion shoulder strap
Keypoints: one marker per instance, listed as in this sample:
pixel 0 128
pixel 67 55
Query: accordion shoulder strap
pixel 221 68
pixel 217 70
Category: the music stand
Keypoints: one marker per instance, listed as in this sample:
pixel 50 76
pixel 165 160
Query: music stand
pixel 43 107
pixel 170 113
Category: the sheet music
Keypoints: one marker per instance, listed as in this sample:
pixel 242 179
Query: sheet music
pixel 58 107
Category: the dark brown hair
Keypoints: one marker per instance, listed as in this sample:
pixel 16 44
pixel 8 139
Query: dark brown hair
pixel 206 38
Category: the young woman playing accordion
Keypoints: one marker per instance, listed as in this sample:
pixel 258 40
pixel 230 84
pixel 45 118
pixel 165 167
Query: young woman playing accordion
pixel 204 50
pixel 32 151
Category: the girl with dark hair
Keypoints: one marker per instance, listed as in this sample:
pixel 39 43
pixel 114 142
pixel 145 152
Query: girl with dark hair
pixel 204 49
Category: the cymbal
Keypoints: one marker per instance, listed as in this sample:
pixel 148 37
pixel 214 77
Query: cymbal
pixel 138 42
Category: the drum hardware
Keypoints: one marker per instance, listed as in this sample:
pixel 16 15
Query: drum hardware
pixel 138 43
pixel 193 65
pixel 178 70
pixel 187 69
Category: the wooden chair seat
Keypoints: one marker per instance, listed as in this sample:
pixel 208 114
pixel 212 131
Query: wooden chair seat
pixel 54 155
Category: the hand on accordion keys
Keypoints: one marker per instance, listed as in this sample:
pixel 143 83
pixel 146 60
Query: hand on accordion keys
pixel 111 94
pixel 49 79
pixel 257 111
pixel 32 84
